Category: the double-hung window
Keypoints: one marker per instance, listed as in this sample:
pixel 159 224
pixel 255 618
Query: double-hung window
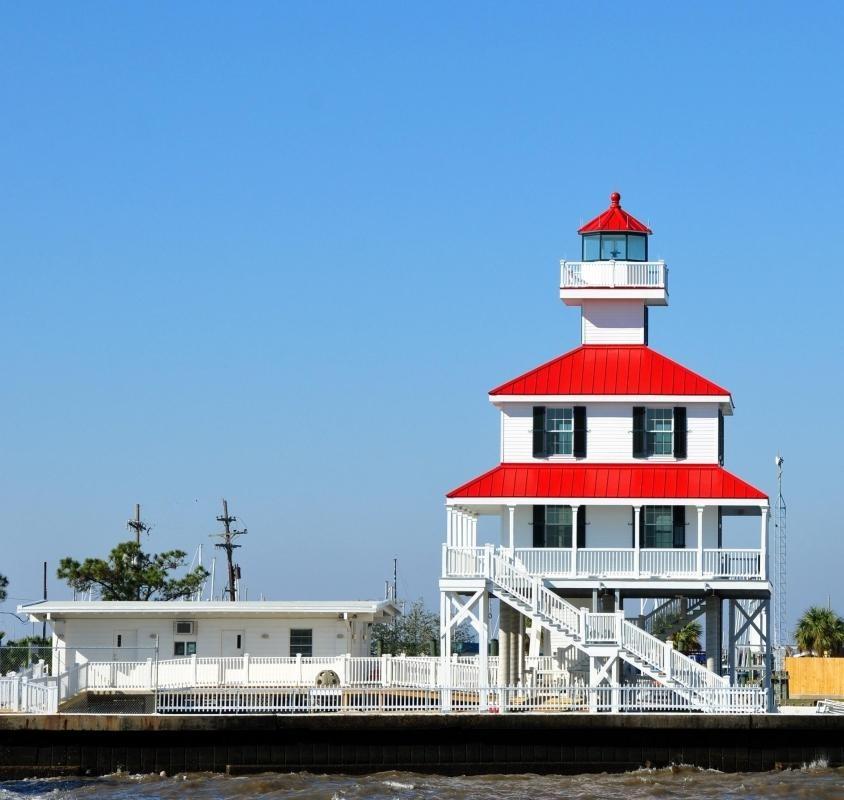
pixel 558 526
pixel 301 642
pixel 659 431
pixel 659 526
pixel 559 431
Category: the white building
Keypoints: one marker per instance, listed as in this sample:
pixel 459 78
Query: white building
pixel 134 631
pixel 611 498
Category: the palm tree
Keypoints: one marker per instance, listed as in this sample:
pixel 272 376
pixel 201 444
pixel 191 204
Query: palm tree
pixel 820 631
pixel 687 639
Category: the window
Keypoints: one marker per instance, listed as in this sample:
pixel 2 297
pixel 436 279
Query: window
pixel 637 248
pixel 659 526
pixel 301 642
pixel 614 247
pixel 558 526
pixel 559 431
pixel 185 628
pixel 184 648
pixel 659 431
pixel 592 248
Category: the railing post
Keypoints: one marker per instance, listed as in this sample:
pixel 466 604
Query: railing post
pixel 537 606
pixel 299 674
pixel 347 669
pixel 582 626
pixel 700 541
pixel 619 627
pixel 53 698
pixel 194 670
pixel 150 674
pixel 246 669
pixel 385 670
pixel 488 554
pixel 669 648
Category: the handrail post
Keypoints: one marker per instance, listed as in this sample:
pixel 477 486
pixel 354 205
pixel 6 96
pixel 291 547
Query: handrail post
pixel 669 647
pixel 582 630
pixel 246 662
pixel 194 670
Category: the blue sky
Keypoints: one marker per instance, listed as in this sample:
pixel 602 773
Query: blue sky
pixel 279 253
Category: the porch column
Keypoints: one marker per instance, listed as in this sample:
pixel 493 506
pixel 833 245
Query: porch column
pixel 449 526
pixel 511 540
pixel 574 510
pixel 731 640
pixel 473 530
pixel 461 528
pixel 700 541
pixel 763 545
pixel 637 538
pixel 505 615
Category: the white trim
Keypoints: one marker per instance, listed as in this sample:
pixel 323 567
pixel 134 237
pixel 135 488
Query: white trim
pixel 605 501
pixel 560 399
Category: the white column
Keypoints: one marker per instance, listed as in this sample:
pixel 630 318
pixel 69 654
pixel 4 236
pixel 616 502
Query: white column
pixel 449 526
pixel 700 541
pixel 511 539
pixel 483 649
pixel 474 531
pixel 637 537
pixel 461 528
pixel 574 512
pixel 763 545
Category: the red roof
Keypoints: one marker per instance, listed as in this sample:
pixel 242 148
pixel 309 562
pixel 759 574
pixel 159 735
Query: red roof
pixel 609 480
pixel 610 369
pixel 615 220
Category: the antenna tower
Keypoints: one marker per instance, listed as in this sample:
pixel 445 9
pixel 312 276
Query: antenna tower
pixel 780 561
pixel 136 525
pixel 228 536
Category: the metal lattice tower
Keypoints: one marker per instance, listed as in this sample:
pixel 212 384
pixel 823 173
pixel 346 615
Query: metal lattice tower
pixel 780 561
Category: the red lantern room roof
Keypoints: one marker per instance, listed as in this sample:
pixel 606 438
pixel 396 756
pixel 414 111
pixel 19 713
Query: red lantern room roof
pixel 615 220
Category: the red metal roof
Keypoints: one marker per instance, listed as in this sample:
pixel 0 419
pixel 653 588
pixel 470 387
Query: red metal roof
pixel 610 369
pixel 615 220
pixel 609 480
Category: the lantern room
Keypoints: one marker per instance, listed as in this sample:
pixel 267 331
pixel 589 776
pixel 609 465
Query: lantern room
pixel 614 235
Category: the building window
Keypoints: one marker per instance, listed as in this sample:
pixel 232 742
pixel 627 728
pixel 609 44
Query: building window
pixel 184 648
pixel 559 431
pixel 614 247
pixel 659 431
pixel 301 642
pixel 659 526
pixel 558 526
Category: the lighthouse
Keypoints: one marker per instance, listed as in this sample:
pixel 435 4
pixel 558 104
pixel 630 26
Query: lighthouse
pixel 613 506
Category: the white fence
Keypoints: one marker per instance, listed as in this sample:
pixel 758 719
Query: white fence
pixel 630 699
pixel 611 562
pixel 613 274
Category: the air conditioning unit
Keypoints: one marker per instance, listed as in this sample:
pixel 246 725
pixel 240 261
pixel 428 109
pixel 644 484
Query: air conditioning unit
pixel 185 627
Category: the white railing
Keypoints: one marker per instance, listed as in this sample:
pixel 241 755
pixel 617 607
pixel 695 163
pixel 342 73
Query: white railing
pixel 495 700
pixel 606 562
pixel 464 562
pixel 613 274
pixel 673 613
pixel 646 647
pixel 668 562
pixel 601 628
pixel 610 562
pixel 121 674
pixel 736 564
pixel 694 676
pixel 549 562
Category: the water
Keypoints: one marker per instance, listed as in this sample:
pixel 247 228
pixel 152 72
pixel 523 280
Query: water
pixel 815 782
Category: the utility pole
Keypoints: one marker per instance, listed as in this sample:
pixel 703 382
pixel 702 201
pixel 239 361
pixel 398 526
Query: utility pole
pixel 136 524
pixel 228 536
pixel 44 624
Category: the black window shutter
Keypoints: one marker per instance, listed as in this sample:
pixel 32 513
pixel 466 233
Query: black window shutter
pixel 539 431
pixel 679 526
pixel 720 527
pixel 646 324
pixel 641 527
pixel 720 437
pixel 581 526
pixel 639 432
pixel 539 526
pixel 680 432
pixel 579 449
pixel 632 527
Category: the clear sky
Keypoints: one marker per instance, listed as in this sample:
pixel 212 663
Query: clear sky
pixel 279 253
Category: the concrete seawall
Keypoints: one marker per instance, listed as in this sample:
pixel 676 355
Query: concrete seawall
pixel 448 744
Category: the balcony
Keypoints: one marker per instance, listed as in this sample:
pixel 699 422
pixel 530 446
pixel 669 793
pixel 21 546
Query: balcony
pixel 646 564
pixel 645 280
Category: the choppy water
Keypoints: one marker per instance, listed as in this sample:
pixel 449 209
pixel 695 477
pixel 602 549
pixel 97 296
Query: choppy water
pixel 815 782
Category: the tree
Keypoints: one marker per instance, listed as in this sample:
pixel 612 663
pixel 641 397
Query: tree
pixel 820 631
pixel 131 574
pixel 415 633
pixel 687 639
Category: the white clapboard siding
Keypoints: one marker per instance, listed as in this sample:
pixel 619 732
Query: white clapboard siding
pixel 613 322
pixel 609 435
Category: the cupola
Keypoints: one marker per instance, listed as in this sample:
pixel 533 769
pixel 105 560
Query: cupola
pixel 614 235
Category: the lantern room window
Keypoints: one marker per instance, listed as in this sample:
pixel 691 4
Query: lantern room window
pixel 615 247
